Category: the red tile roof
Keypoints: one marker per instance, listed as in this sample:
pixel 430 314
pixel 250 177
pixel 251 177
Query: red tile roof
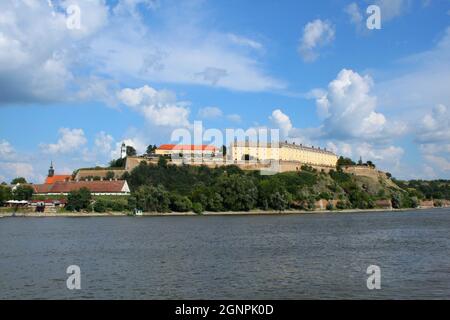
pixel 191 147
pixel 55 178
pixel 115 186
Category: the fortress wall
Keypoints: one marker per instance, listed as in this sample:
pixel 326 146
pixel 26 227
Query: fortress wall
pixel 83 173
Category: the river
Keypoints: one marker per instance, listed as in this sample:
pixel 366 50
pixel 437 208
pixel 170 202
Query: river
pixel 309 256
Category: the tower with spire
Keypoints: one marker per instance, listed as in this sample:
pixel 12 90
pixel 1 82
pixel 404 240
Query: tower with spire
pixel 51 171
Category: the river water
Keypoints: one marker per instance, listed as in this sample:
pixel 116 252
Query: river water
pixel 317 256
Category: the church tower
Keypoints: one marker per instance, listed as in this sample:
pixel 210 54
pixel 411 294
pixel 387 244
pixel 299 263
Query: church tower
pixel 123 151
pixel 51 171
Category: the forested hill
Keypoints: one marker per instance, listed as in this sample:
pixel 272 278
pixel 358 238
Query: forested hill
pixel 230 188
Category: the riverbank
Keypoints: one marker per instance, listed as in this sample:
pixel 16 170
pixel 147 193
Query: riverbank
pixel 230 213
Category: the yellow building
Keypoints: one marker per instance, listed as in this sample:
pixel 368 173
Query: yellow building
pixel 240 151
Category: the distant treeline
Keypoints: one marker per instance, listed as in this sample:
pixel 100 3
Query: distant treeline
pixel 434 189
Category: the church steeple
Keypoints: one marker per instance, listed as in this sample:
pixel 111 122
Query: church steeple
pixel 51 171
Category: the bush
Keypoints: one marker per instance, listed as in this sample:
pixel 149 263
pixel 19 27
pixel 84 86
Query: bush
pixel 180 204
pixel 150 198
pixel 197 208
pixel 78 199
pixel 5 194
pixel 330 206
pixel 117 205
pixel 23 192
pixel 239 192
pixel 100 205
pixel 342 204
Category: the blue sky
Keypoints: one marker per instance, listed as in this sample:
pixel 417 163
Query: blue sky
pixel 136 70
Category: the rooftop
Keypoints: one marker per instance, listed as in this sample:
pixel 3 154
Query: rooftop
pixel 191 147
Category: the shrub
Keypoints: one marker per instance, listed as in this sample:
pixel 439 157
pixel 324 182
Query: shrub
pixel 100 205
pixel 239 192
pixel 180 203
pixel 150 198
pixel 330 206
pixel 79 199
pixel 197 208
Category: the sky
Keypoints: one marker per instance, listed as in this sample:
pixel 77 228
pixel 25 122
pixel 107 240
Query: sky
pixel 79 77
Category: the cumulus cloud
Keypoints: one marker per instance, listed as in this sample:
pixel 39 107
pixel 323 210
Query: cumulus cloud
pixel 316 34
pixel 210 113
pixel 103 142
pixel 433 137
pixel 159 108
pixel 42 60
pixel 35 47
pixel 349 110
pixel 385 157
pixel 281 121
pixel 70 141
pixel 17 169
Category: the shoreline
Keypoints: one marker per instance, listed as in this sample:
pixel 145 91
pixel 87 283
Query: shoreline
pixel 192 214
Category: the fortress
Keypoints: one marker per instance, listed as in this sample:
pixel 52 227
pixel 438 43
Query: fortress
pixel 271 157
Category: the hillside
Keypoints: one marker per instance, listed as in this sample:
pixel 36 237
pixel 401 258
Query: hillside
pixel 230 188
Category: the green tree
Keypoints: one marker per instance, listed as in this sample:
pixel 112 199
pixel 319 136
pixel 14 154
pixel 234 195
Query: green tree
pixel 117 163
pixel 5 194
pixel 180 203
pixel 239 193
pixel 18 180
pixel 150 198
pixel 100 205
pixel 23 192
pixel 345 162
pixel 396 200
pixel 110 175
pixel 78 200
pixel 197 208
pixel 162 162
pixel 131 151
pixel 151 149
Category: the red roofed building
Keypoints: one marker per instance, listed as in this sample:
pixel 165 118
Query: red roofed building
pixel 176 149
pixel 52 178
pixel 106 187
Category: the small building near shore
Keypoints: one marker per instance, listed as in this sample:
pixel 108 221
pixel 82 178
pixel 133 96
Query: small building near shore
pixel 108 187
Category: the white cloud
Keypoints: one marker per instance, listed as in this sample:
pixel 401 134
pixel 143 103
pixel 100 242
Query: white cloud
pixel 246 42
pixel 433 137
pixel 354 13
pixel 385 157
pixel 17 169
pixel 234 118
pixel 7 151
pixel 159 108
pixel 210 113
pixel 281 121
pixel 316 34
pixel 41 60
pixel 392 8
pixel 423 84
pixel 103 142
pixel 70 141
pixel 349 110
pixel 35 47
